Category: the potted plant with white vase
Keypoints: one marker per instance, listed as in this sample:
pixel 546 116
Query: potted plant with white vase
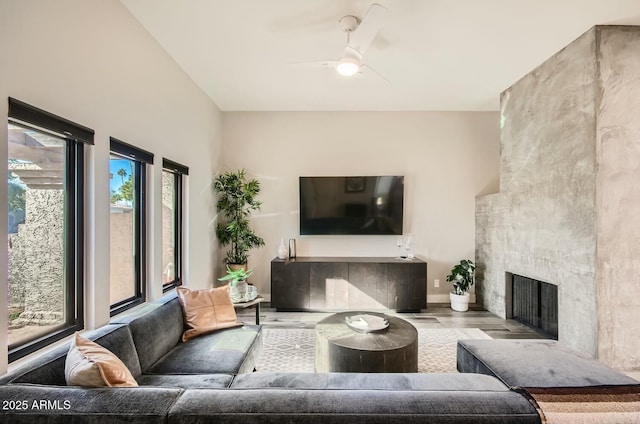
pixel 238 288
pixel 462 275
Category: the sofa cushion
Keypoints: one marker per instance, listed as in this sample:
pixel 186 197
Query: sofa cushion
pixel 49 368
pixel 90 365
pixel 195 381
pixel 156 328
pixel 206 311
pixel 64 405
pixel 222 352
pixel 352 407
pixel 535 363
pixel 368 381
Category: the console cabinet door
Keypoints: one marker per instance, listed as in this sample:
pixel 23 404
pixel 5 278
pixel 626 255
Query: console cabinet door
pixel 407 286
pixel 367 286
pixel 290 285
pixel 348 285
pixel 329 282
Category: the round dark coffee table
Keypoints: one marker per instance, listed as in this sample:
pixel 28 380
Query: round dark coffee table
pixel 339 348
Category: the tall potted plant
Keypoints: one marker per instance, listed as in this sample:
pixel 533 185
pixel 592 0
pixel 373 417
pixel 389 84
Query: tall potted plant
pixel 462 276
pixel 236 201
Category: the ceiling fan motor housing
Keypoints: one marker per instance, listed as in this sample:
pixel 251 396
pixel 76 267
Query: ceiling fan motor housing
pixel 348 23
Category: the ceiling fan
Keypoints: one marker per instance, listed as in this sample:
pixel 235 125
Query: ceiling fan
pixel 360 34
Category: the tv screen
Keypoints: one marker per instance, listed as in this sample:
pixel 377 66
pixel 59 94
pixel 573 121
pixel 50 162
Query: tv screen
pixel 351 205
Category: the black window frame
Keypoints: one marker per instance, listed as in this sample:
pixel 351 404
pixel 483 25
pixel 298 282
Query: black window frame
pixel 178 171
pixel 140 158
pixel 75 136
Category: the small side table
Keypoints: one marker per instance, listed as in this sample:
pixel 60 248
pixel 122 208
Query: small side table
pixel 250 304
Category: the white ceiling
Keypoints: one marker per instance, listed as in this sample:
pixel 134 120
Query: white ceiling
pixel 438 54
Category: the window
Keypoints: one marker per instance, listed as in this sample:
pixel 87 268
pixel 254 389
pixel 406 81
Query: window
pixel 44 227
pixel 172 181
pixel 127 166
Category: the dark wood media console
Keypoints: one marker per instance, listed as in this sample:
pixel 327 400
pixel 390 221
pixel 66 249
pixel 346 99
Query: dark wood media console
pixel 348 283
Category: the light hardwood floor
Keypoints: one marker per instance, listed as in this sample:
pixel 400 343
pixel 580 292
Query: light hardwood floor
pixel 435 316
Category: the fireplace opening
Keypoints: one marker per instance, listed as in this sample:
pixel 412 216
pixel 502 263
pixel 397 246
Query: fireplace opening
pixel 535 303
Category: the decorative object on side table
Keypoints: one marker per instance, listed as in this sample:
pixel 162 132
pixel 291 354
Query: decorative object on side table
pixel 236 200
pixel 239 290
pixel 462 276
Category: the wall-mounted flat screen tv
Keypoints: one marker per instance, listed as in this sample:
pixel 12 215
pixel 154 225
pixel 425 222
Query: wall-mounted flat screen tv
pixel 351 205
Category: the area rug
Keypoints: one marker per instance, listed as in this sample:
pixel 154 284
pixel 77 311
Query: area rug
pixel 587 405
pixel 292 350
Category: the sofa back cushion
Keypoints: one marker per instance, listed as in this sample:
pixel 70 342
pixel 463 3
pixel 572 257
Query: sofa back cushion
pixel 156 328
pixel 48 369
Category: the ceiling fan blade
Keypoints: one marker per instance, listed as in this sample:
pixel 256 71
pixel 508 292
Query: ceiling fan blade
pixel 327 63
pixel 369 68
pixel 366 31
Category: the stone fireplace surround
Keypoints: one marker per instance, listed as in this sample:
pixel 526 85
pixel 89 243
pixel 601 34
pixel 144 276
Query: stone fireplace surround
pixel 569 202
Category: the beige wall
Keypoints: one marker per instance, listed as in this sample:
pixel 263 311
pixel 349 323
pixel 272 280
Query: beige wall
pixel 447 158
pixel 93 63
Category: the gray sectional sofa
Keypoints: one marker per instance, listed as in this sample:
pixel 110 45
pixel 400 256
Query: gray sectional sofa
pixel 209 380
pixel 536 363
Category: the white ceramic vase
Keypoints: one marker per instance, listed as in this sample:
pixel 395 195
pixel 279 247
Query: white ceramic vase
pixel 459 302
pixel 238 291
pixel 283 251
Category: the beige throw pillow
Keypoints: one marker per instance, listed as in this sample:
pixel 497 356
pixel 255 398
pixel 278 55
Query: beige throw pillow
pixel 90 365
pixel 205 311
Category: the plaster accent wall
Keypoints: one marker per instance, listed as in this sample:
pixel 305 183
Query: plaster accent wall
pixel 569 168
pixel 542 224
pixel 618 197
pixel 447 159
pixel 93 63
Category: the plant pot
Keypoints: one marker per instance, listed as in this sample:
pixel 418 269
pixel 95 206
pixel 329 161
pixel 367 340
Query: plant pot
pixel 459 302
pixel 238 291
pixel 233 267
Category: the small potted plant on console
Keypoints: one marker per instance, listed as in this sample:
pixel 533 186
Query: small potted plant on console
pixel 462 276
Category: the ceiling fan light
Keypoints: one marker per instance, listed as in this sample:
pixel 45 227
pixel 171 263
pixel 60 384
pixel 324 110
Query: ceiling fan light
pixel 348 66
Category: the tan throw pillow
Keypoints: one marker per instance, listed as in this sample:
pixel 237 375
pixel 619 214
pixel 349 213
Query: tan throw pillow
pixel 90 365
pixel 205 311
